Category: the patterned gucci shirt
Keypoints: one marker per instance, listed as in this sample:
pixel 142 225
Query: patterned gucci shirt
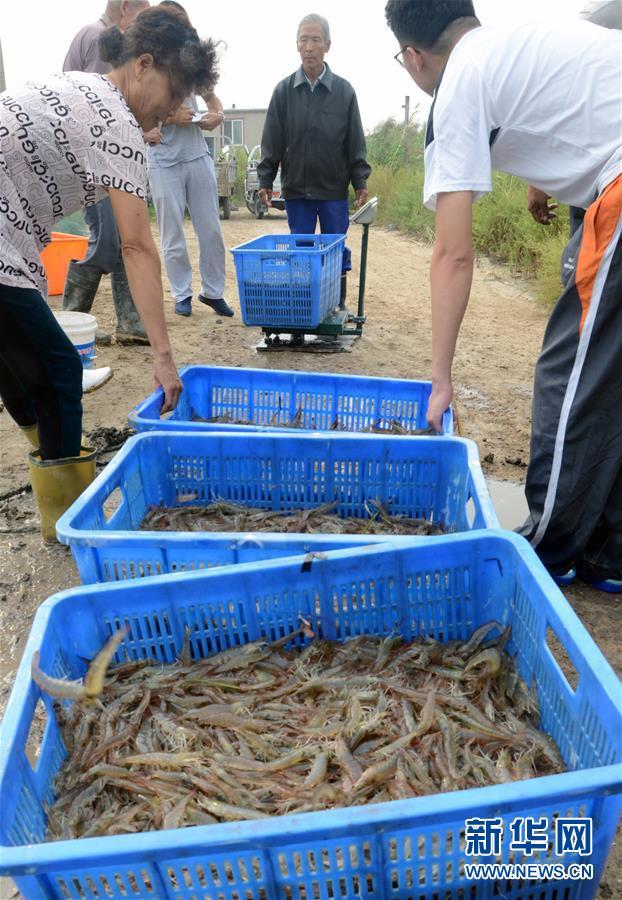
pixel 63 144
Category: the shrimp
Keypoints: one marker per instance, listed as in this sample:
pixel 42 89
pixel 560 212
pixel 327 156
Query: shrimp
pixel 94 679
pixel 56 687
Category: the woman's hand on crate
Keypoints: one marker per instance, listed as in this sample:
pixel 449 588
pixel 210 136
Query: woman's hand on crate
pixel 440 400
pixel 166 377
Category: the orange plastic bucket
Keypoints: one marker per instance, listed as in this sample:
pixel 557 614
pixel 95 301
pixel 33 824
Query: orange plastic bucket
pixel 57 256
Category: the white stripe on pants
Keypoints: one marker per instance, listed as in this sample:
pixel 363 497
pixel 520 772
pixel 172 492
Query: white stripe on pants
pixel 192 186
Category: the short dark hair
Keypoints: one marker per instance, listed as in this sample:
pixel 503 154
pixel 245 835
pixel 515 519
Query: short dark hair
pixel 173 3
pixel 175 46
pixel 420 23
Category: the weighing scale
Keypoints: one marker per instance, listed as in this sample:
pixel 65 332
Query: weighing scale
pixel 341 327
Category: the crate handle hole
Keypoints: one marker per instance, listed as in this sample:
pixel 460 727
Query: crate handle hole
pixel 34 741
pixel 112 503
pixel 560 655
pixel 470 511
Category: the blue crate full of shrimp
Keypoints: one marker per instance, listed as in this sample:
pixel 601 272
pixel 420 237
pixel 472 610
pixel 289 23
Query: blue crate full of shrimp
pixel 434 479
pixel 388 850
pixel 289 279
pixel 219 398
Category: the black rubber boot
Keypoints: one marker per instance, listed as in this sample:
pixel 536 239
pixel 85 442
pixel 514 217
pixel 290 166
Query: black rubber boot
pixel 81 286
pixel 130 329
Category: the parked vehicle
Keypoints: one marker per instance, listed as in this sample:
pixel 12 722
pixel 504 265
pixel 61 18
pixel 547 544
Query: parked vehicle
pixel 226 166
pixel 251 186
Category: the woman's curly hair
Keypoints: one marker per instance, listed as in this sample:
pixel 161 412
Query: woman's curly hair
pixel 176 48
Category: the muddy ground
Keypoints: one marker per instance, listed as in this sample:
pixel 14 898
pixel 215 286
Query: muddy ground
pixel 493 372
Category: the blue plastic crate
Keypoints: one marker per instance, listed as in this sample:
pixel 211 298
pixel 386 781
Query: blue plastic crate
pixel 260 395
pixel 290 280
pixel 393 851
pixel 420 477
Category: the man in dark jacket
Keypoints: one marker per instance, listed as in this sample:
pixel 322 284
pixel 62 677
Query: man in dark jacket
pixel 313 131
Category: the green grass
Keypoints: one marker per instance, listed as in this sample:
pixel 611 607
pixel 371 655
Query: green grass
pixel 503 229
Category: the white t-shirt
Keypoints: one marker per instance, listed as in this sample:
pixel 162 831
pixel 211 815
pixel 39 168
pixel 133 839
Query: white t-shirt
pixel 553 91
pixel 62 145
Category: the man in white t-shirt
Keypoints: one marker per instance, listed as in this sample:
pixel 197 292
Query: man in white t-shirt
pixel 540 101
pixel 608 14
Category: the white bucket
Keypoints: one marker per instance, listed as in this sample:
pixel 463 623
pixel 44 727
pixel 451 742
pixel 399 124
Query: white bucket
pixel 80 329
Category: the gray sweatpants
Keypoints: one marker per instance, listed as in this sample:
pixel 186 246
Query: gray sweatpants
pixel 192 186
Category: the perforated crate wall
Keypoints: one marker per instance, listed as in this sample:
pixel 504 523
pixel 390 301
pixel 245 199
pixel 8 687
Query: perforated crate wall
pixel 289 280
pixel 405 850
pixel 271 399
pixel 438 479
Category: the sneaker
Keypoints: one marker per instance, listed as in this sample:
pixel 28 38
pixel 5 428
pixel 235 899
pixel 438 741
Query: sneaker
pixel 597 579
pixel 184 307
pixel 221 307
pixel 564 578
pixel 609 585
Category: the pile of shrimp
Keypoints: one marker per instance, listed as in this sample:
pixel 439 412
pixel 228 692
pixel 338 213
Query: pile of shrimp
pixel 293 726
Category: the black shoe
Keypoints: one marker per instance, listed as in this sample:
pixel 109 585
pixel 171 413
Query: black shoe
pixel 184 307
pixel 221 307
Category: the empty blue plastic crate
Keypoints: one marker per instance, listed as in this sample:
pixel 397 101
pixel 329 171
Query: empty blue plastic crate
pixel 272 398
pixel 403 850
pixel 290 280
pixel 418 477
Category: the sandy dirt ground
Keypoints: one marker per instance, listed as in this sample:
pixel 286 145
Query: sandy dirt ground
pixel 493 372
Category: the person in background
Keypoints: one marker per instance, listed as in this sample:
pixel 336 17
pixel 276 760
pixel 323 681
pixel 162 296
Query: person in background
pixel 607 13
pixel 501 102
pixel 313 130
pixel 103 254
pixel 182 176
pixel 65 143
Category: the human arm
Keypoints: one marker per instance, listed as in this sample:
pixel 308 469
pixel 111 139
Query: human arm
pixel 451 273
pixel 142 263
pixel 215 114
pixel 356 151
pixel 538 205
pixel 272 147
pixel 183 115
pixel 83 53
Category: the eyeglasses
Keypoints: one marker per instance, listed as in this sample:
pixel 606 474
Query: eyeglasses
pixel 398 57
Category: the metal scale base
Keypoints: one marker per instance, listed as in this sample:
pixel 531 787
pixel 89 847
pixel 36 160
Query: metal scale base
pixel 331 336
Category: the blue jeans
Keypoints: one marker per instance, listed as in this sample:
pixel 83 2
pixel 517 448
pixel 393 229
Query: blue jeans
pixel 302 216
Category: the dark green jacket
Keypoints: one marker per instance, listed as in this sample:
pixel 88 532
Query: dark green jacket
pixel 317 138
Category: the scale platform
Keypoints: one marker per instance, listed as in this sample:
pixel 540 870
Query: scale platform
pixel 331 336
